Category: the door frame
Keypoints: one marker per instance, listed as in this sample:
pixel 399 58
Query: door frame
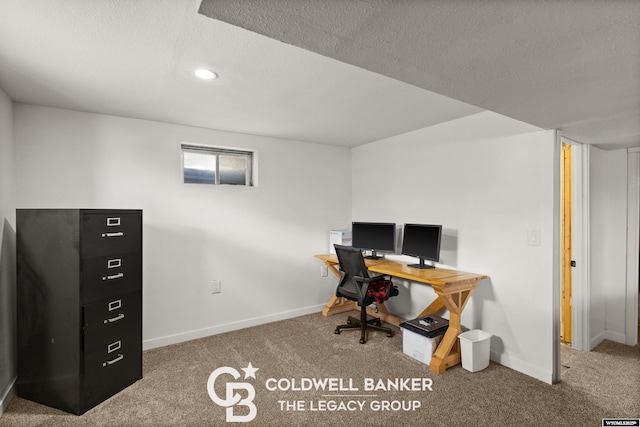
pixel 633 245
pixel 580 277
pixel 581 249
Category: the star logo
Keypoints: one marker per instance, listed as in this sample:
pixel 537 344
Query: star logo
pixel 250 371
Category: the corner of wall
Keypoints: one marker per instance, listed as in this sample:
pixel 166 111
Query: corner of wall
pixel 7 396
pixel 522 366
pixel 8 358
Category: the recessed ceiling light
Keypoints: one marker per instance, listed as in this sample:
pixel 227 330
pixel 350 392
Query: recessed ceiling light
pixel 205 74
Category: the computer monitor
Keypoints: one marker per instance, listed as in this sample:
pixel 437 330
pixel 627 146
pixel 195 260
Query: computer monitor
pixel 374 236
pixel 422 241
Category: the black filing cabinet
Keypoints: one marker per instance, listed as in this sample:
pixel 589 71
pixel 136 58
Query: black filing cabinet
pixel 79 305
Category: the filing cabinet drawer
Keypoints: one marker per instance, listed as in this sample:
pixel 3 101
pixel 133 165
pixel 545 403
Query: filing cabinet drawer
pixel 111 367
pixel 107 233
pixel 110 275
pixel 111 320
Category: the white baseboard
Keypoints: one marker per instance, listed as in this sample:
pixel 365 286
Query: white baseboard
pixel 523 367
pixel 596 340
pixel 7 396
pixel 227 327
pixel 615 336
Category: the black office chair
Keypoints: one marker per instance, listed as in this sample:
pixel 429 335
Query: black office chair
pixel 356 285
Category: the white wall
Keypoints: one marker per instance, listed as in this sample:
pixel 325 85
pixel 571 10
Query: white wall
pixel 258 241
pixel 7 253
pixel 608 183
pixel 487 179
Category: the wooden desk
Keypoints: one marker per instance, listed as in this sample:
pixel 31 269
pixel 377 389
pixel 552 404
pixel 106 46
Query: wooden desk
pixel 452 287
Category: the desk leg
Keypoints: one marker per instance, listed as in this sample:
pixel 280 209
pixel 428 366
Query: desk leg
pixel 448 352
pixel 433 308
pixel 338 305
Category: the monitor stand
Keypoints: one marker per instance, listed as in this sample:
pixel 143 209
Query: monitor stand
pixel 374 255
pixel 421 265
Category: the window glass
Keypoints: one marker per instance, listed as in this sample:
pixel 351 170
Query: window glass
pixel 199 168
pixel 214 165
pixel 233 170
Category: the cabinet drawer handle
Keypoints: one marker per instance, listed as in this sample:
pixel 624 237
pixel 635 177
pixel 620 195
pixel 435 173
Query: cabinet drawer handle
pixel 114 319
pixel 113 276
pixel 116 234
pixel 114 263
pixel 114 346
pixel 112 222
pixel 112 361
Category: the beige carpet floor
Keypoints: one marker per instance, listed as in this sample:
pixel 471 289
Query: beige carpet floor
pixel 173 391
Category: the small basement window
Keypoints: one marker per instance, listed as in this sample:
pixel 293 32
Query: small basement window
pixel 216 165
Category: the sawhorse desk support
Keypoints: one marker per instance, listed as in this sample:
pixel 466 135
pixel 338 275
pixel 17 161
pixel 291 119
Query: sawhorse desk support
pixel 452 287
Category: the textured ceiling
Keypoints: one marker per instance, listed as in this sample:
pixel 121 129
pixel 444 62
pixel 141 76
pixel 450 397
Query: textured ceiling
pixel 342 72
pixel 572 65
pixel 135 58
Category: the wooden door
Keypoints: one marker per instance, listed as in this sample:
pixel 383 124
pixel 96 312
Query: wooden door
pixel 565 261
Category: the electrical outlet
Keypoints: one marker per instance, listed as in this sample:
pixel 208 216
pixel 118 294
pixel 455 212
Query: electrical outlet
pixel 324 271
pixel 216 286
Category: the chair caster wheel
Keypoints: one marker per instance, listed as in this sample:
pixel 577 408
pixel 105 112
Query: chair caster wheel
pixel 337 332
pixel 389 335
pixel 362 341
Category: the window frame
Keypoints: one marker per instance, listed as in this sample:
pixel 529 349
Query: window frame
pixel 218 151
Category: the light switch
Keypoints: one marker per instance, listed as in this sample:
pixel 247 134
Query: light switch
pixel 533 237
pixel 216 286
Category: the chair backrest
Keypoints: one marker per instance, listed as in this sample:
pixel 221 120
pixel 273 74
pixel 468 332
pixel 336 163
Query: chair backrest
pixel 351 261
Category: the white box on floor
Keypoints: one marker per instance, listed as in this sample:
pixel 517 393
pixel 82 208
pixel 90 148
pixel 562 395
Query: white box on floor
pixel 339 237
pixel 418 346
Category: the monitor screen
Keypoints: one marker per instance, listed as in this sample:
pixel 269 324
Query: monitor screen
pixel 374 236
pixel 422 241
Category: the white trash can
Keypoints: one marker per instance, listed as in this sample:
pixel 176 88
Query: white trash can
pixel 475 346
